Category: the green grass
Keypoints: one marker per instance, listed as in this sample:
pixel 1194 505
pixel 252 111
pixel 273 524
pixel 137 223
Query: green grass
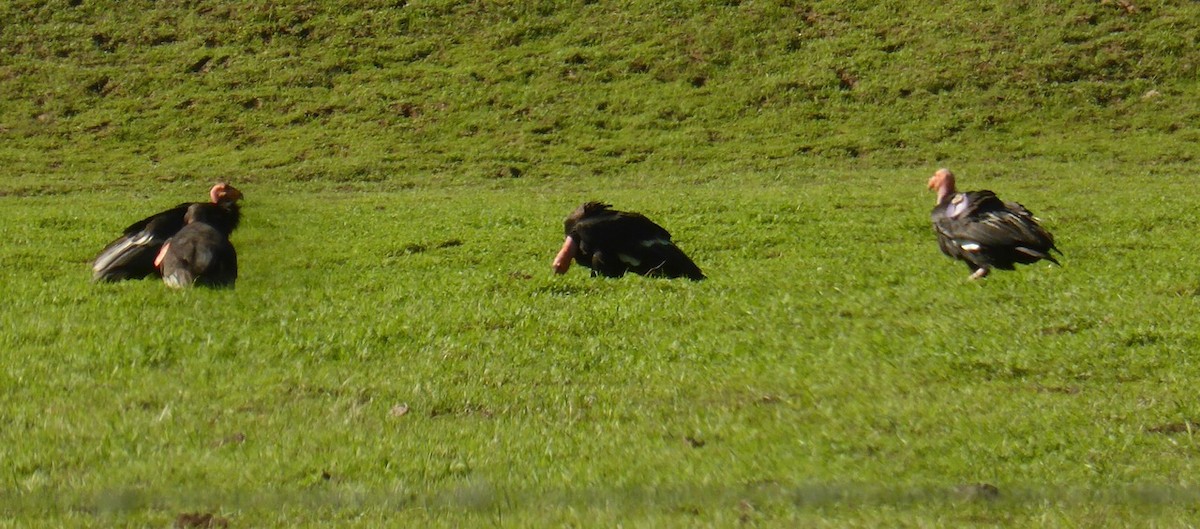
pixel 408 91
pixel 834 369
pixel 407 167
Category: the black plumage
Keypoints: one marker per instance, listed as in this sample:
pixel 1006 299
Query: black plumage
pixel 978 228
pixel 200 253
pixel 132 255
pixel 612 243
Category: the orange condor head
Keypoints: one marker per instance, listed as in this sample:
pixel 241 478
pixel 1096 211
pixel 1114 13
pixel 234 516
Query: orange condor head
pixel 223 192
pixel 943 182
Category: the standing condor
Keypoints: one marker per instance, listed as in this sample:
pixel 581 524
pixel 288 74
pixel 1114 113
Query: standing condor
pixel 201 252
pixel 612 243
pixel 132 255
pixel 978 228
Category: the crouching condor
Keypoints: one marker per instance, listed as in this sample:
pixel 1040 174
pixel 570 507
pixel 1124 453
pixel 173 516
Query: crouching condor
pixel 612 243
pixel 132 255
pixel 979 229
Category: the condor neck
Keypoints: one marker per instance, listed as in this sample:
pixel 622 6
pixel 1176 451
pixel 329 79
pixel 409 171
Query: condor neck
pixel 944 193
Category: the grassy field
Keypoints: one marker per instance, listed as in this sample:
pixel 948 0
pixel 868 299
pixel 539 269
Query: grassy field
pixel 397 350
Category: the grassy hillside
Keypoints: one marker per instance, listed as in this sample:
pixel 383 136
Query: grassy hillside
pixel 398 352
pixel 409 90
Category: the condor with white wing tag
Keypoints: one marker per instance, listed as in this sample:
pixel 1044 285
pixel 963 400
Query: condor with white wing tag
pixel 985 232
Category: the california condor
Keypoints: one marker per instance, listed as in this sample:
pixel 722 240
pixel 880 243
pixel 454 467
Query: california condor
pixel 978 228
pixel 612 242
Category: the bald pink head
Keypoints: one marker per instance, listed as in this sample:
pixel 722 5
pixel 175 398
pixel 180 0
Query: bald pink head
pixel 223 192
pixel 943 182
pixel 562 261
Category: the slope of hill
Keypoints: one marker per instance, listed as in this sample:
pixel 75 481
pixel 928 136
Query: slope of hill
pixel 457 89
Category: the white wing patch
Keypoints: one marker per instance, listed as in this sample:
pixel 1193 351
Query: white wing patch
pixel 142 239
pixel 970 247
pixel 104 260
pixel 655 242
pixel 631 261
